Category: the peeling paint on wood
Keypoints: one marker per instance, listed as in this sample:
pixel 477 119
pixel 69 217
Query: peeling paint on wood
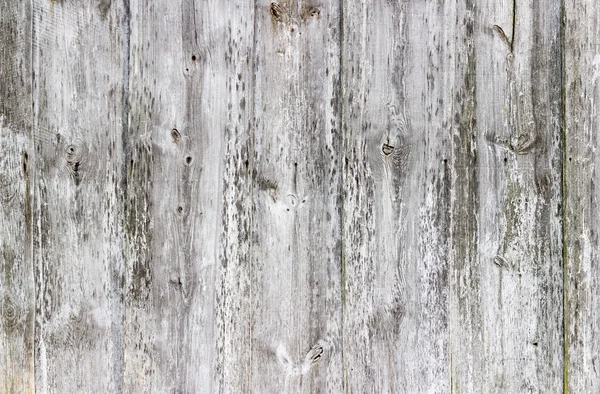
pixel 299 196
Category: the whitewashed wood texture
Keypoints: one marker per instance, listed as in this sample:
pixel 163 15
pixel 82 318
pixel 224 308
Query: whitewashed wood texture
pixel 299 196
pixel 581 84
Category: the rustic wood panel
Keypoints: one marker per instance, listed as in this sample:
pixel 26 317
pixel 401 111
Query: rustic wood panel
pixel 296 169
pixel 299 196
pixel 398 91
pixel 187 203
pixel 462 212
pixel 17 293
pixel 77 104
pixel 581 80
pixel 517 234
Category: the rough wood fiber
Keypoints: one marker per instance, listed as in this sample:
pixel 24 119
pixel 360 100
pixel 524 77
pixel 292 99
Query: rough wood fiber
pixel 517 252
pixel 296 170
pixel 77 63
pixel 581 81
pixel 299 196
pixel 16 269
pixel 398 91
pixel 188 197
pixel 461 255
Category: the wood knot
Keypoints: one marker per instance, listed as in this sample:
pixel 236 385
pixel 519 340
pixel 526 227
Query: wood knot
pixel 278 13
pixel 10 314
pixel 387 149
pixel 500 261
pixel 74 156
pixel 175 135
pixel 312 12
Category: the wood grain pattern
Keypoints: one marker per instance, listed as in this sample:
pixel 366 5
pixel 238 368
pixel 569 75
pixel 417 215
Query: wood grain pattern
pixel 299 196
pixel 296 170
pixel 17 309
pixel 396 129
pixel 78 259
pixel 188 197
pixel 519 223
pixel 581 45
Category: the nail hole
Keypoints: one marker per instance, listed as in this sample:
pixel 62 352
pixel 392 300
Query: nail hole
pixel 505 160
pixel 570 158
pixel 180 209
pixel 188 159
pixel 246 163
pixel 193 58
pixel 445 161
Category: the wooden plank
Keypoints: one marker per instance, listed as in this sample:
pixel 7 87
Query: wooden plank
pixel 581 81
pixel 296 226
pixel 455 257
pixel 77 98
pixel 17 299
pixel 188 197
pixel 398 92
pixel 509 326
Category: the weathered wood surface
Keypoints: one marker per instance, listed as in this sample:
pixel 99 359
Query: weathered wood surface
pixel 299 196
pixel 17 294
pixel 581 83
pixel 76 185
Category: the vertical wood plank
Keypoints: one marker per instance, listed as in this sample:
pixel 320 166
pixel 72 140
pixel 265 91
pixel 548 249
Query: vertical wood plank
pixel 465 284
pixel 78 63
pixel 17 302
pixel 581 81
pixel 296 255
pixel 233 303
pixel 188 197
pixel 518 248
pixel 398 92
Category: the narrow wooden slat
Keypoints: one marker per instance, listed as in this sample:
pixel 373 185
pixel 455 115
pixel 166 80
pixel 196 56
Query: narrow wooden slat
pixel 78 248
pixel 508 316
pixel 398 96
pixel 581 81
pixel 188 197
pixel 296 169
pixel 17 299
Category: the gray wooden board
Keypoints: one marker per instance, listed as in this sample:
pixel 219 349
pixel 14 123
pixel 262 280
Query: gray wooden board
pixel 581 76
pixel 16 270
pixel 299 196
pixel 296 168
pixel 519 224
pixel 78 259
pixel 397 95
